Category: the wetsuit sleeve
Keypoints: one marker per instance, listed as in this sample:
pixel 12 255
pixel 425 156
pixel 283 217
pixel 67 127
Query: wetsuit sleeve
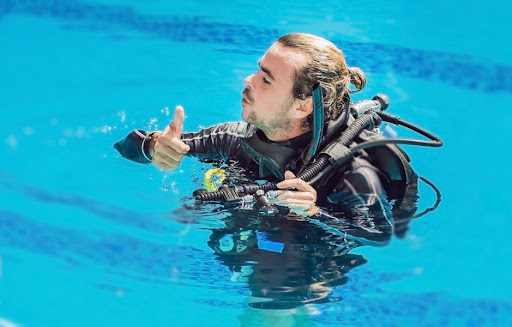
pixel 135 146
pixel 219 142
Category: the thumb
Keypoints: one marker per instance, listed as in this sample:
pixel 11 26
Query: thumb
pixel 177 120
pixel 289 175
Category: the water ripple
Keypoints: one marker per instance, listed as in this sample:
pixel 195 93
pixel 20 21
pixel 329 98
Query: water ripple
pixel 363 300
pixel 461 71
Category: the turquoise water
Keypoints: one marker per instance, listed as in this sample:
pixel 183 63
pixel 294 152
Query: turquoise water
pixel 87 238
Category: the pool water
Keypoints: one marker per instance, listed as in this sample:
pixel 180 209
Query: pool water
pixel 88 238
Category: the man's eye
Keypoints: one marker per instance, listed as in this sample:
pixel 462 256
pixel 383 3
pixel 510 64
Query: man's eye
pixel 265 81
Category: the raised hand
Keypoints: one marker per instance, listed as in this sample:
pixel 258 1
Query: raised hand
pixel 166 147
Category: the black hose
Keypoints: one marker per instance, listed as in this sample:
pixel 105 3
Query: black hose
pixel 355 129
pixel 242 189
pixel 438 199
pixel 345 139
pixel 314 168
pixel 435 141
pixel 398 121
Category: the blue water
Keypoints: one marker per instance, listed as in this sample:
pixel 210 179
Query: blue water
pixel 87 238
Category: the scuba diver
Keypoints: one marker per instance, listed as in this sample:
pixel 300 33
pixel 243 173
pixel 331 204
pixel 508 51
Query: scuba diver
pixel 301 130
pixel 333 180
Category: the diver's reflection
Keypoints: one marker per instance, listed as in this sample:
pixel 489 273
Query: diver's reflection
pixel 288 261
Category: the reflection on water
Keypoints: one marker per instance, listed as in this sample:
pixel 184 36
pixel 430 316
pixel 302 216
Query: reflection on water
pixel 288 261
pixel 285 263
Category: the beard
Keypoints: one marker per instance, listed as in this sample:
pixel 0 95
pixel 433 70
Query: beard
pixel 279 123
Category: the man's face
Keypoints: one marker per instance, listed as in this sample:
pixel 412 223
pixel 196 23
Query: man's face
pixel 267 99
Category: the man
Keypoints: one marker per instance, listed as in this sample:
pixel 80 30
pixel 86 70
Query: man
pixel 277 110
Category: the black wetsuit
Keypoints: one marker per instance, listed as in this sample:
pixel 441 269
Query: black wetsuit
pixel 294 261
pixel 360 181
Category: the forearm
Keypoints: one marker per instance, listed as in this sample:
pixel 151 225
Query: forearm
pixel 219 142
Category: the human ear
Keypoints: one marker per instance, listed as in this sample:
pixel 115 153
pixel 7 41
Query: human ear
pixel 304 108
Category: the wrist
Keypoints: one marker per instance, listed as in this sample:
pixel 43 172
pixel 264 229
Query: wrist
pixel 153 137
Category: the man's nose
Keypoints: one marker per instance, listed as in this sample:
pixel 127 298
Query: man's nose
pixel 248 81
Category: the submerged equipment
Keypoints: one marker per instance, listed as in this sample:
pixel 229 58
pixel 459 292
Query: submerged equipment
pixel 335 151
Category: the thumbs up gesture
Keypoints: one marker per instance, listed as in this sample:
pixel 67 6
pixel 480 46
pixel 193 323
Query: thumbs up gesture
pixel 166 147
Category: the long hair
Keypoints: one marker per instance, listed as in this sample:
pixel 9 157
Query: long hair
pixel 325 63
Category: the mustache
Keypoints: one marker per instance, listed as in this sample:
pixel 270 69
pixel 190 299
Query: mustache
pixel 247 96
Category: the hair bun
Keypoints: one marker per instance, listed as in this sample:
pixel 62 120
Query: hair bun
pixel 357 78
